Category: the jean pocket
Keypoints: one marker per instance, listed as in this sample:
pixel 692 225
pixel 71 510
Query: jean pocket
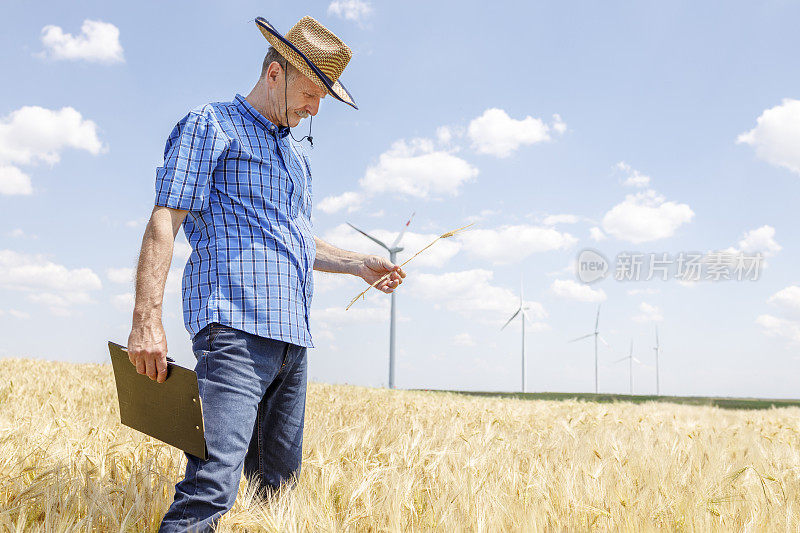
pixel 214 329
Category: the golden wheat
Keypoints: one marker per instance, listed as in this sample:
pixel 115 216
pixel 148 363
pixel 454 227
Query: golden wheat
pixel 377 460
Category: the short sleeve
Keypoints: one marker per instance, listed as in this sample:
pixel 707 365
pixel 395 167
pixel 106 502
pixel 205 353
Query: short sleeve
pixel 190 156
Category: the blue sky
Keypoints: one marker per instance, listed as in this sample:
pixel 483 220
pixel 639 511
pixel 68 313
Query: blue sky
pixel 652 128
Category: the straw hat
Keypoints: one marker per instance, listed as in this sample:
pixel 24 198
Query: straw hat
pixel 315 51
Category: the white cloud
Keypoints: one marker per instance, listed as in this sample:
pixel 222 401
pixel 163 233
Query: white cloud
pixel 469 291
pixel 558 125
pixel 552 220
pixel 776 137
pixel 572 290
pixel 181 251
pixel 120 275
pixel 596 233
pixel 350 200
pixel 173 283
pixel 137 222
pixel 787 299
pixel 14 181
pixel 444 134
pixel 97 42
pixel 649 290
pixel 34 134
pixel 21 271
pixel 634 177
pixel 464 339
pixel 355 10
pixel 123 302
pixel 22 315
pixel 498 134
pixel 51 284
pixel 343 236
pixel 648 313
pixel 760 240
pixel 19 233
pixel 358 314
pixel 645 216
pixel 31 134
pixel 417 169
pixel 508 244
pixel 773 326
pixel 483 215
pixel 569 268
pixel 325 282
pixel 60 304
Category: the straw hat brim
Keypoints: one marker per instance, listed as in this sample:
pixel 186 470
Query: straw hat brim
pixel 302 63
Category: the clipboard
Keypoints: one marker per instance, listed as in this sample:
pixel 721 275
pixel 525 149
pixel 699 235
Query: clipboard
pixel 171 412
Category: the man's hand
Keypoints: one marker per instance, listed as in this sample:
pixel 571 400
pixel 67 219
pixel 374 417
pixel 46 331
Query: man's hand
pixel 147 343
pixel 373 267
pixel 147 349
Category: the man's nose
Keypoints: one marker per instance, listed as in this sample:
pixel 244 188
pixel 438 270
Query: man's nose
pixel 314 107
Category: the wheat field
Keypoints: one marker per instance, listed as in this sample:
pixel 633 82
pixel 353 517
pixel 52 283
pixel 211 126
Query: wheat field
pixel 380 460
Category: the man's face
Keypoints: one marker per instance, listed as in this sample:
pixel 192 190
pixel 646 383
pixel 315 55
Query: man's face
pixel 302 98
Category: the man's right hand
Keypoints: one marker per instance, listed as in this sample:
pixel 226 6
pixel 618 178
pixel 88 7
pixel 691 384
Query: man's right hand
pixel 147 349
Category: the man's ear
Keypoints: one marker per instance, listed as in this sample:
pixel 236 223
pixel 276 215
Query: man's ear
pixel 273 73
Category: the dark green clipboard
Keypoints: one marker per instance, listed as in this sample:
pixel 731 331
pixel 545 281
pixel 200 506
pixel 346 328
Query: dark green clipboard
pixel 171 412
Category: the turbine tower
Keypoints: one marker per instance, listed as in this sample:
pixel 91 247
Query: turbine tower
pixel 631 360
pixel 393 250
pixel 596 334
pixel 657 349
pixel 523 310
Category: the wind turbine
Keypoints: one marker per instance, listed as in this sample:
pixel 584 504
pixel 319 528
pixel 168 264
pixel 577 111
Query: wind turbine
pixel 657 349
pixel 630 359
pixel 521 309
pixel 393 250
pixel 596 334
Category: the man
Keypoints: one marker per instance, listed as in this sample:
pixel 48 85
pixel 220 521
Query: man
pixel 242 191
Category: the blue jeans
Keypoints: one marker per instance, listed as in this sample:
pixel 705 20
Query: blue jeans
pixel 253 392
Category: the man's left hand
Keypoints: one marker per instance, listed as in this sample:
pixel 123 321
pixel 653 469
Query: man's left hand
pixel 374 267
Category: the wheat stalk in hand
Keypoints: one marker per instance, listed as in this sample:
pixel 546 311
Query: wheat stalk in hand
pixel 442 236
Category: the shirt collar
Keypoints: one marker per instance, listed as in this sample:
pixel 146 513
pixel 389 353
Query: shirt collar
pixel 250 112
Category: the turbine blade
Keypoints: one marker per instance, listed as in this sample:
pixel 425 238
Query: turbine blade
pixel 403 231
pixel 622 358
pixel 603 341
pixel 584 337
pixel 365 234
pixel 635 360
pixel 597 320
pixel 510 319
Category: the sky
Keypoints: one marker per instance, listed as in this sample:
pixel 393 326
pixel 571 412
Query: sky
pixel 631 129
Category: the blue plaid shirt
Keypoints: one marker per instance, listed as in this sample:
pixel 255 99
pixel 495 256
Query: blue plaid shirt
pixel 247 187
